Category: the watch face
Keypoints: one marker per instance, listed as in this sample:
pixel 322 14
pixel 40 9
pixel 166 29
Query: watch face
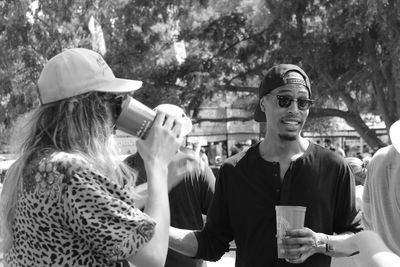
pixel 329 248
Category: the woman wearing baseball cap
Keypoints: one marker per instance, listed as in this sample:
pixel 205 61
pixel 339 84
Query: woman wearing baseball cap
pixel 67 200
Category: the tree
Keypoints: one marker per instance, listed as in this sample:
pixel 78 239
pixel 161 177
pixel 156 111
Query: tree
pixel 29 35
pixel 350 50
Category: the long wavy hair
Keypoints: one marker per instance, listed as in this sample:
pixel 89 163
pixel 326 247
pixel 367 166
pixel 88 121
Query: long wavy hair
pixel 81 125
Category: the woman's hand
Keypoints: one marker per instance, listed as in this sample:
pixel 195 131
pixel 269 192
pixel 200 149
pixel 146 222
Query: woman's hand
pixel 157 150
pixel 162 140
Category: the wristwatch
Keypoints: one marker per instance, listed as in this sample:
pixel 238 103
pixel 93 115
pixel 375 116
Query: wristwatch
pixel 323 245
pixel 329 249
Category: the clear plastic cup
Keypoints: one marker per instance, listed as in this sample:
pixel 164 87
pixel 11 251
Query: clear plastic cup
pixel 288 217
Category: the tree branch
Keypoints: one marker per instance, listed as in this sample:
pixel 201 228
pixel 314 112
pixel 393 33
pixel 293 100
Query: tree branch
pixel 234 118
pixel 234 44
pixel 248 89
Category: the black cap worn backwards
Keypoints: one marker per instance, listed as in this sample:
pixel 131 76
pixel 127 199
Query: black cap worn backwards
pixel 278 76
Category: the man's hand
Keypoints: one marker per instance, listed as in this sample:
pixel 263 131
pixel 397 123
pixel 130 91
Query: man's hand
pixel 182 165
pixel 299 244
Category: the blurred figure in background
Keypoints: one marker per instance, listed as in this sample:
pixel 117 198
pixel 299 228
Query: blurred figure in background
pixel 236 148
pixel 366 160
pixel 381 197
pixel 203 156
pixel 328 144
pixel 340 150
pixel 191 183
pixel 358 168
pixel 360 173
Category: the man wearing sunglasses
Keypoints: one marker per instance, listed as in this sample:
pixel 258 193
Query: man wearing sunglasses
pixel 283 169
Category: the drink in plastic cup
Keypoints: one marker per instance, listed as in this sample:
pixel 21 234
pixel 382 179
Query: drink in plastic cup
pixel 135 118
pixel 288 217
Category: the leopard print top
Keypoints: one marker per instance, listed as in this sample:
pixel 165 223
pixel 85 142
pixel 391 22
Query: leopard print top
pixel 67 214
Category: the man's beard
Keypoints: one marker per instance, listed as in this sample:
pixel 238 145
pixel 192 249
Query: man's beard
pixel 286 137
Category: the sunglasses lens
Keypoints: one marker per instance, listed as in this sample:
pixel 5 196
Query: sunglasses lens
pixel 303 104
pixel 118 103
pixel 284 101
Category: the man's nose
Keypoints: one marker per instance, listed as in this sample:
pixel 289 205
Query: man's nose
pixel 293 106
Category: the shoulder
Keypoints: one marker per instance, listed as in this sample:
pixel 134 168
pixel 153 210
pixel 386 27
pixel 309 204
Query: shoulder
pixel 66 162
pixel 382 153
pixel 241 162
pixel 239 158
pixel 47 172
pixel 48 160
pixel 57 165
pixel 325 155
pixel 326 161
pixel 383 157
pixel 77 174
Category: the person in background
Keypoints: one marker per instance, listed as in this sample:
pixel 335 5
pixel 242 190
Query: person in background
pixel 196 147
pixel 337 148
pixel 246 145
pixel 191 185
pixel 340 150
pixel 366 159
pixel 236 148
pixel 190 146
pixel 283 169
pixel 360 173
pixel 203 156
pixel 381 197
pixel 328 144
pixel 212 153
pixel 67 200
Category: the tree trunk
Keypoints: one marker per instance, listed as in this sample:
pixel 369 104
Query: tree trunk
pixel 355 121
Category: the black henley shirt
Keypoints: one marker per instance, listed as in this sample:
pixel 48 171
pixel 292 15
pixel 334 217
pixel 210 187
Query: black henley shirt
pixel 247 190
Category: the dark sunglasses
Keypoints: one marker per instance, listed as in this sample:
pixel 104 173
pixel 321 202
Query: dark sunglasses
pixel 286 101
pixel 115 101
pixel 111 98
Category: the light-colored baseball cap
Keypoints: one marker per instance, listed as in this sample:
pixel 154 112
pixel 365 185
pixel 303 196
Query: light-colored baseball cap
pixel 77 71
pixel 178 114
pixel 394 133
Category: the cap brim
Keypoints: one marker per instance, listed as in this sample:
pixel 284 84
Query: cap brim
pixel 259 115
pixel 394 134
pixel 118 85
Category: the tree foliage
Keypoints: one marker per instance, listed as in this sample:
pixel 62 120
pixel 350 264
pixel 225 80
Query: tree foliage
pixel 350 49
